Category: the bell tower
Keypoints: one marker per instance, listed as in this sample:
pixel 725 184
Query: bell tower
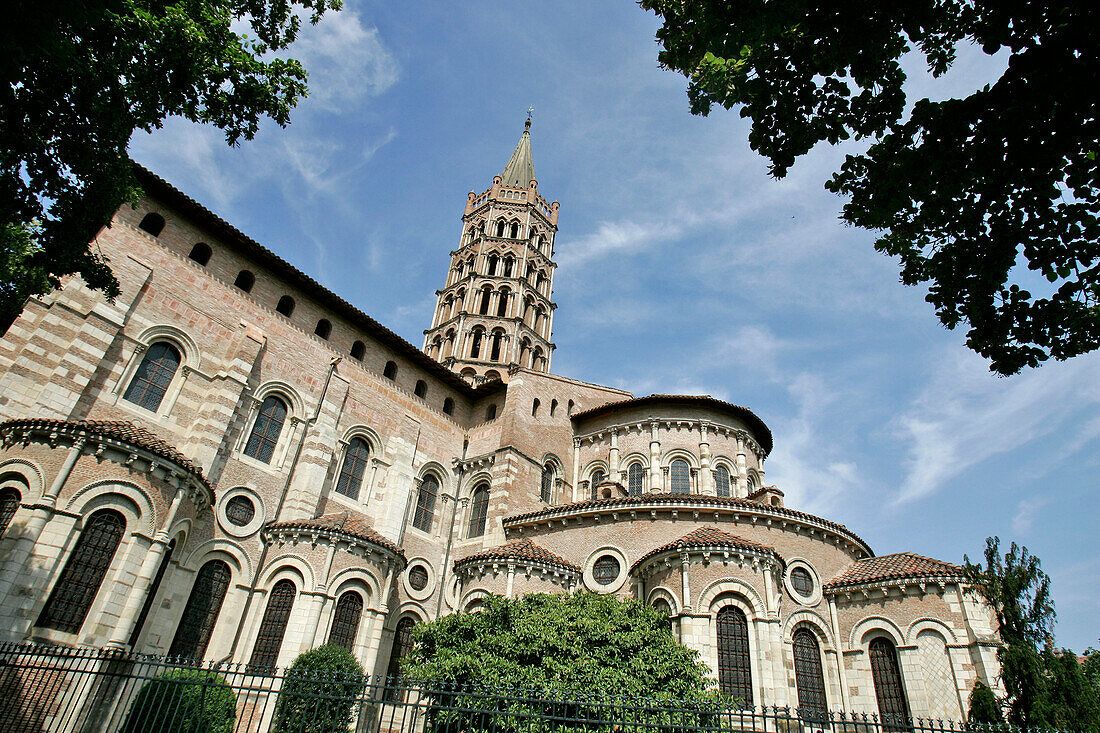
pixel 495 312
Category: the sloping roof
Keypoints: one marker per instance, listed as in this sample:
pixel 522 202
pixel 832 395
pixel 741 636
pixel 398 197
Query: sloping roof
pixel 759 429
pixel 523 549
pixel 121 430
pixel 156 186
pixel 352 524
pixel 898 566
pixel 520 170
pixel 707 537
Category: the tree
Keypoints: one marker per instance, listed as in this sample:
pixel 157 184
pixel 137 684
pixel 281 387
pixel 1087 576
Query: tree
pixel 985 709
pixel 80 76
pixel 968 193
pixel 1073 702
pixel 320 692
pixel 185 701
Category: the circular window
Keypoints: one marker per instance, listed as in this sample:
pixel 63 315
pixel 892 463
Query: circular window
pixel 802 582
pixel 606 570
pixel 240 511
pixel 418 577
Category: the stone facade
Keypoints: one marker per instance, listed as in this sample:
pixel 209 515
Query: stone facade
pixel 244 428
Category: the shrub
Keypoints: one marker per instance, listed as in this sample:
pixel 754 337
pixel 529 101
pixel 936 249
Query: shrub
pixel 183 701
pixel 319 692
pixel 985 708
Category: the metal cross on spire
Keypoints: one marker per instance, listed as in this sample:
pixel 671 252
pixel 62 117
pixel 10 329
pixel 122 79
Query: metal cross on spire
pixel 529 111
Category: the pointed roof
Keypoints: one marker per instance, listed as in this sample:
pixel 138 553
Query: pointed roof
pixel 520 170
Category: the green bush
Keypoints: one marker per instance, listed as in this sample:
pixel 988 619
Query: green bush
pixel 985 708
pixel 183 701
pixel 320 692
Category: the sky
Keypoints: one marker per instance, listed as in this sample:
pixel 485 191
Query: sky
pixel 683 267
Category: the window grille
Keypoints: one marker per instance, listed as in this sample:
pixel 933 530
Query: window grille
pixel 240 511
pixel 595 481
pixel 418 577
pixel 809 679
pixel 606 570
pixel 270 639
pixel 9 505
pixel 680 477
pixel 425 503
pixel 345 619
pixel 734 668
pixel 479 511
pixel 79 583
pixel 635 476
pixel 547 492
pixel 402 641
pixel 265 432
pixel 147 606
pixel 892 706
pixel 201 612
pixel 722 481
pixel 153 376
pixel 802 582
pixel 355 465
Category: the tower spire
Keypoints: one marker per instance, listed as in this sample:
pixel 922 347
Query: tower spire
pixel 520 170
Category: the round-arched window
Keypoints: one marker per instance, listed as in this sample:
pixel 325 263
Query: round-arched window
pixel 606 570
pixel 240 510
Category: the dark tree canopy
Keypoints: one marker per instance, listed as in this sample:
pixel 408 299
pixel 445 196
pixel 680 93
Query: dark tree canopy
pixel 80 76
pixel 968 193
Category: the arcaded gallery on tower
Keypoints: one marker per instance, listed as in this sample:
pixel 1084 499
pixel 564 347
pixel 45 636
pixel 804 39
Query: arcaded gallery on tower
pixel 231 462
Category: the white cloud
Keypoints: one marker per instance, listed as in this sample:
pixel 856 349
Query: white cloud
pixel 1024 518
pixel 346 60
pixel 617 238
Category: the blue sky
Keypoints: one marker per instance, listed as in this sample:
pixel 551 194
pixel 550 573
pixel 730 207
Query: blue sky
pixel 683 267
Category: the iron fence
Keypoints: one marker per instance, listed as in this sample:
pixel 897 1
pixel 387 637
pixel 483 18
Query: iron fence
pixel 50 689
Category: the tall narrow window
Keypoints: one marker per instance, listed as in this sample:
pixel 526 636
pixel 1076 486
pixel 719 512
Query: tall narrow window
pixel 635 476
pixel 9 505
pixel 353 468
pixel 491 412
pixel 245 280
pixel 475 345
pixel 358 350
pixel 72 597
pixel 421 389
pixel 153 376
pixel 722 480
pixel 486 297
pixel 594 483
pixel 201 612
pixel 734 668
pixel 345 619
pixel 449 406
pixel 285 306
pixel 812 705
pixel 323 329
pixel 479 511
pixel 492 265
pixel 679 475
pixel 502 303
pixel 893 708
pixel 535 407
pixel 494 349
pixel 402 642
pixel 146 607
pixel 425 503
pixel 273 625
pixel 152 223
pixel 547 492
pixel 265 431
pixel 514 230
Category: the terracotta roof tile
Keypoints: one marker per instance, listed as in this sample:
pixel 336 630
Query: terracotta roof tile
pixel 894 567
pixel 121 430
pixel 349 523
pixel 707 537
pixel 522 549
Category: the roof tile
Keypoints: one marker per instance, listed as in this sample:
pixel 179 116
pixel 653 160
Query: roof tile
pixel 707 537
pixel 522 549
pixel 893 567
pixel 349 523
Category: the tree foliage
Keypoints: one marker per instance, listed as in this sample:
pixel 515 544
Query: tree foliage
pixel 985 709
pixel 319 692
pixel 184 701
pixel 1072 701
pixel 80 76
pixel 969 193
pixel 571 644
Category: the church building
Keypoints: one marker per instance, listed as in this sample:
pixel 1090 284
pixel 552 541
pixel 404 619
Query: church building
pixel 232 462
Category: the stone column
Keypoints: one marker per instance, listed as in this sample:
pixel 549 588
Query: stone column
pixel 511 580
pixel 742 469
pixel 685 584
pixel 841 674
pixel 576 468
pixel 613 457
pixel 706 478
pixel 654 458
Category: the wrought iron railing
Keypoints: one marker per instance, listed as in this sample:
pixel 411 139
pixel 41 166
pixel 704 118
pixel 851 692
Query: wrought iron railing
pixel 49 689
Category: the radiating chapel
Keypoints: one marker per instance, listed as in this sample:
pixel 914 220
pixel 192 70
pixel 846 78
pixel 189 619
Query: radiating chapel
pixel 231 462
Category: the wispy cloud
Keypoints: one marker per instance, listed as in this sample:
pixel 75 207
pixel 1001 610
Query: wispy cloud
pixel 346 60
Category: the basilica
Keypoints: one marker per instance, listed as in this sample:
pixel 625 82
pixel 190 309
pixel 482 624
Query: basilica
pixel 231 462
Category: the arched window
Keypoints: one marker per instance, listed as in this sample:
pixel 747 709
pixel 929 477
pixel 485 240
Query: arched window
pixel 285 306
pixel 79 583
pixel 893 708
pixel 722 480
pixel 448 406
pixel 265 431
pixel 475 344
pixel 200 253
pixel 492 265
pixel 502 303
pixel 358 350
pixel 663 608
pixel 594 482
pixel 390 371
pixel 491 412
pixel 9 505
pixel 486 297
pixel 494 346
pixel 734 668
pixel 265 654
pixel 535 407
pixel 345 619
pixel 500 228
pixel 323 329
pixel 812 705
pixel 151 595
pixel 679 474
pixel 355 465
pixel 425 503
pixel 152 223
pixel 514 231
pixel 479 510
pixel 245 280
pixel 547 492
pixel 421 389
pixel 508 264
pixel 569 407
pixel 402 642
pixel 201 612
pixel 153 376
pixel 635 477
pixel 553 407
